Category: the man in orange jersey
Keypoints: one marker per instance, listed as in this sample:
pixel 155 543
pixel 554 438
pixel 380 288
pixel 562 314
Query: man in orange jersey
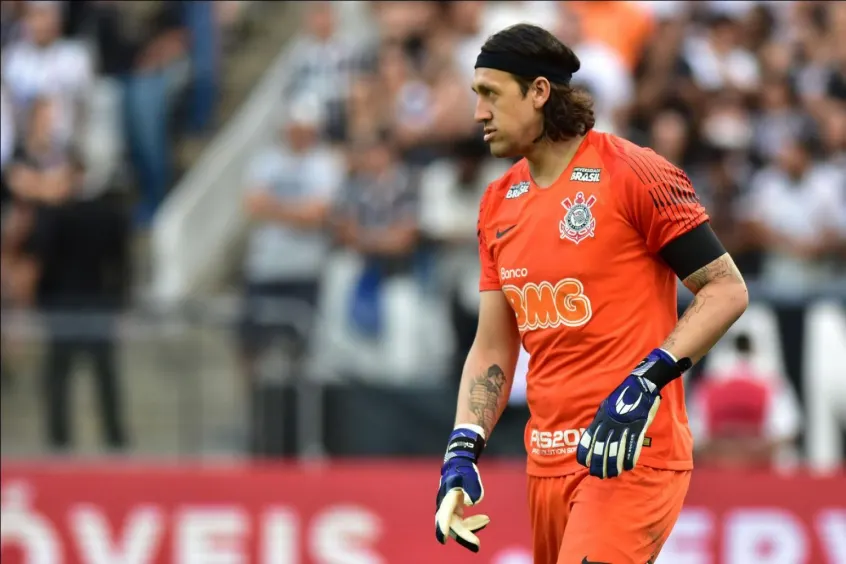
pixel 580 244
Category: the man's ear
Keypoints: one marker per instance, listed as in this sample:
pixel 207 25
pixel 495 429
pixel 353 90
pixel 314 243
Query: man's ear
pixel 540 91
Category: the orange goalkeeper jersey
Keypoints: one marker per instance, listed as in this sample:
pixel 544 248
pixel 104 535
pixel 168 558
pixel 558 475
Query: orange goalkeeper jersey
pixel 579 263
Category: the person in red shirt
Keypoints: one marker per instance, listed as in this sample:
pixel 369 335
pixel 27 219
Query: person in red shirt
pixel 580 244
pixel 743 414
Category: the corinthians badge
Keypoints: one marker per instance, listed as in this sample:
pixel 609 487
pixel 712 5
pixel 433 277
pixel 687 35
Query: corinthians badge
pixel 578 222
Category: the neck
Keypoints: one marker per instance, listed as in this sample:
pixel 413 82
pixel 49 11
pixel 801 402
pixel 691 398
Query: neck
pixel 548 160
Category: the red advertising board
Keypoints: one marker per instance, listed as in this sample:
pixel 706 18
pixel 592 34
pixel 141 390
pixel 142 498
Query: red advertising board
pixel 368 512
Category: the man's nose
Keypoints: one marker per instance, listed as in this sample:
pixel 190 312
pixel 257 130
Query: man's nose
pixel 482 113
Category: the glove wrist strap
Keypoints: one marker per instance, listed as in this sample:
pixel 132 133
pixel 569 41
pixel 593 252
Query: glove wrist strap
pixel 465 442
pixel 666 369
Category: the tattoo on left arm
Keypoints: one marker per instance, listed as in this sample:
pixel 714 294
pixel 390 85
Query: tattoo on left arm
pixel 703 283
pixel 718 271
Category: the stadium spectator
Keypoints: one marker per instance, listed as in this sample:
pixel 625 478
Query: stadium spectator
pixel 780 117
pixel 145 47
pixel 450 190
pixel 796 208
pixel 718 59
pixel 744 416
pixel 604 72
pixel 324 63
pixel 623 26
pixel 81 244
pixel 38 176
pixel 42 63
pixel 290 189
pixel 671 137
pixel 10 21
pixel 721 187
pixel 65 254
pixel 378 217
pixel 662 77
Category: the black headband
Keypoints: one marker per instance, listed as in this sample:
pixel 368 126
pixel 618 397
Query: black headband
pixel 522 66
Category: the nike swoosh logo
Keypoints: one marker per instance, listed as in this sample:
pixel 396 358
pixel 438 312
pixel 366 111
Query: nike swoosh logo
pixel 586 561
pixel 502 233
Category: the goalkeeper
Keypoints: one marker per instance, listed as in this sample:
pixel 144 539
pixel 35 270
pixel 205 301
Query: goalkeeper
pixel 581 243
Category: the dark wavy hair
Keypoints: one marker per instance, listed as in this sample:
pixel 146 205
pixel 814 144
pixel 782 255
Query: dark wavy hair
pixel 569 111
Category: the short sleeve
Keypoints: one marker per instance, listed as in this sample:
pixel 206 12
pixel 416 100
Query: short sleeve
pixel 662 202
pixel 489 280
pixel 79 65
pixel 327 172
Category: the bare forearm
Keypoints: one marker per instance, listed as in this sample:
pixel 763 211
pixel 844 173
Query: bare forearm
pixel 301 216
pixel 485 388
pixel 397 240
pixel 720 298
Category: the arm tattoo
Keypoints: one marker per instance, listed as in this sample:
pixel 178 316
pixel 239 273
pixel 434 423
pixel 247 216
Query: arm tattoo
pixel 699 301
pixel 486 393
pixel 720 269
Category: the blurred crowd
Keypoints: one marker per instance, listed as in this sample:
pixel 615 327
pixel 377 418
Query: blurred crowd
pixel 377 157
pixel 377 141
pixel 94 96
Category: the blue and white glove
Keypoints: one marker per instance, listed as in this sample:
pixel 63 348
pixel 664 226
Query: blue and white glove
pixel 461 485
pixel 615 438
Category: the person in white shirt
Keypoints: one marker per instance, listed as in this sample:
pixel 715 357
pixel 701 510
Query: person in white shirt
pixel 45 64
pixel 796 208
pixel 289 191
pixel 718 60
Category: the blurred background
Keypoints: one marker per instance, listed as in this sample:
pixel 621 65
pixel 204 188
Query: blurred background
pixel 239 270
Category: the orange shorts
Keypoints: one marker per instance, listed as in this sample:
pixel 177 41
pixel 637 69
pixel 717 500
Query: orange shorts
pixel 625 520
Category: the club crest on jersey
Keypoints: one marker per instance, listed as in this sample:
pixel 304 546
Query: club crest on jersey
pixel 517 190
pixel 581 174
pixel 578 222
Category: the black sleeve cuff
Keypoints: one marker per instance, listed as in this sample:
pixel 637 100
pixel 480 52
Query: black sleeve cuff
pixel 690 251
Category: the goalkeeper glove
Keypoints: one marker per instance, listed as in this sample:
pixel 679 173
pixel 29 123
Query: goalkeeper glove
pixel 461 485
pixel 615 438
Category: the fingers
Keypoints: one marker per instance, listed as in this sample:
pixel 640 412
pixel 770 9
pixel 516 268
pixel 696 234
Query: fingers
pixel 463 534
pixel 445 513
pixel 477 522
pixel 598 452
pixel 448 523
pixel 585 447
pixel 637 435
pixel 617 455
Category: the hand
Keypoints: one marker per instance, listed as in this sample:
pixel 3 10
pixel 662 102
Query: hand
pixel 614 439
pixel 55 193
pixel 460 485
pixel 257 202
